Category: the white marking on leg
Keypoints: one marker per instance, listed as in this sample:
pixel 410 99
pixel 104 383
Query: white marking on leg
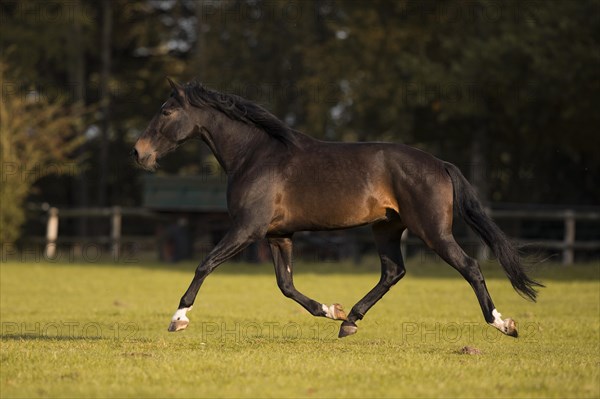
pixel 498 322
pixel 329 311
pixel 289 269
pixel 180 314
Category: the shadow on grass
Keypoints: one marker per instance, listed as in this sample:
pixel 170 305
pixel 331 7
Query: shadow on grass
pixel 70 338
pixel 49 338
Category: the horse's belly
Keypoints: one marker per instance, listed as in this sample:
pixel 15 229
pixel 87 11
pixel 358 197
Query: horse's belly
pixel 330 211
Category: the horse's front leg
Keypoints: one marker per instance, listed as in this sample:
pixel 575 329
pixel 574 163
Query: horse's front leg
pixel 281 248
pixel 234 241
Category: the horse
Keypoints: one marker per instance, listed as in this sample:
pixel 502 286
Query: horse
pixel 281 181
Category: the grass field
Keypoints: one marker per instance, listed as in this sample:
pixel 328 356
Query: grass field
pixel 100 330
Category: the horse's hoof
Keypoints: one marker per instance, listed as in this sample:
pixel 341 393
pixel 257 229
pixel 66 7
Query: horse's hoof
pixel 511 328
pixel 347 328
pixel 338 312
pixel 178 325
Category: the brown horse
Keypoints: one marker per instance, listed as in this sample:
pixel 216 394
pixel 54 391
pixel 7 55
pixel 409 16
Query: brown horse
pixel 281 181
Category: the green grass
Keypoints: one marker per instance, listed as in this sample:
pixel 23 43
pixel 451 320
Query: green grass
pixel 99 330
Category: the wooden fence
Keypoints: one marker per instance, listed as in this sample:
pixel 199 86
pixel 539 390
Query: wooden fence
pixel 113 238
pixel 567 246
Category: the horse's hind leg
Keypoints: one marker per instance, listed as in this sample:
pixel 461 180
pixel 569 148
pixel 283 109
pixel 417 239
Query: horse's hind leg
pixel 281 248
pixel 387 238
pixel 449 250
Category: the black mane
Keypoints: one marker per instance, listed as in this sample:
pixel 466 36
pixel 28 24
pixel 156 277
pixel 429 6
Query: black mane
pixel 240 109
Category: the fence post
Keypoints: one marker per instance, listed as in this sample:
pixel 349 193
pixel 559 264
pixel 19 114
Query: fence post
pixel 116 232
pixel 51 233
pixel 569 239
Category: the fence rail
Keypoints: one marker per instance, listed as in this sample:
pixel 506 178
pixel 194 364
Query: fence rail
pixel 567 246
pixel 115 214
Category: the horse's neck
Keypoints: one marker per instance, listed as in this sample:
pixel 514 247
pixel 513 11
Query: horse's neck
pixel 231 142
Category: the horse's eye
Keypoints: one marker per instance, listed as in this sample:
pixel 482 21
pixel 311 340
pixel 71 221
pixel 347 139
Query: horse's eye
pixel 166 112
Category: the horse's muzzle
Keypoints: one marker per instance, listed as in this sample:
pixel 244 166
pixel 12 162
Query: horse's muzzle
pixel 144 156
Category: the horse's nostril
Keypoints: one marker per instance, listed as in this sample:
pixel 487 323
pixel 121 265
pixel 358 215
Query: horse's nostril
pixel 134 153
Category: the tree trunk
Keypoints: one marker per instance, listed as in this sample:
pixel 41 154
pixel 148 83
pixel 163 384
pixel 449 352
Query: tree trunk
pixel 200 53
pixel 77 82
pixel 199 59
pixel 105 101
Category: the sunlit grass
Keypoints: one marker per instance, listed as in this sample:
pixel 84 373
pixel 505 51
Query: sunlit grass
pixel 100 330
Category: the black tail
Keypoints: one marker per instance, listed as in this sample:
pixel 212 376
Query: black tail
pixel 469 207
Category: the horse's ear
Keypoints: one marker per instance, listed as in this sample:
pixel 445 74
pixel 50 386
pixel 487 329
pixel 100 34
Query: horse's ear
pixel 177 88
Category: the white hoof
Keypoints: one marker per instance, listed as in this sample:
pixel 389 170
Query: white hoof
pixel 179 321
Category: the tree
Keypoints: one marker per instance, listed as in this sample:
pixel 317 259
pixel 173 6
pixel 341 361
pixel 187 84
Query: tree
pixel 510 84
pixel 507 85
pixel 38 138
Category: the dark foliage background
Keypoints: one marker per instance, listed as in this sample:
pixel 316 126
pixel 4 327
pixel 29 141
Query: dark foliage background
pixel 508 90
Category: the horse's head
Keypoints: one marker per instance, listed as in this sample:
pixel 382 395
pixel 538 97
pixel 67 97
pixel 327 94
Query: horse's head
pixel 169 128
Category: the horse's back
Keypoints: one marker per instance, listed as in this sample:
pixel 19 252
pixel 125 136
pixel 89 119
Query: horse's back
pixel 340 185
